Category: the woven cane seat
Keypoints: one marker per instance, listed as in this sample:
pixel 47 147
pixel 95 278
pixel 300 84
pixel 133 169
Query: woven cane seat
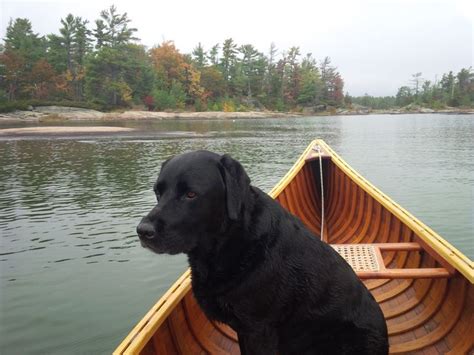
pixel 359 257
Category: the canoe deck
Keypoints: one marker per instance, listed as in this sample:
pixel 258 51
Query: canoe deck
pixel 423 284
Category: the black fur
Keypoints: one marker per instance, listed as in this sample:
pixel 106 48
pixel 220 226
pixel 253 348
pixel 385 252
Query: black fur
pixel 256 267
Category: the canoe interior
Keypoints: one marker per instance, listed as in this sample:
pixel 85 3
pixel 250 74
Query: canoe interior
pixel 425 316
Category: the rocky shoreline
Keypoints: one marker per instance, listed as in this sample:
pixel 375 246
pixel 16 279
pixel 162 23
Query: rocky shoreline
pixel 60 113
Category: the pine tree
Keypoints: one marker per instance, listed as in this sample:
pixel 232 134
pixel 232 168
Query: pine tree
pixel 227 62
pixel 112 29
pixel 199 56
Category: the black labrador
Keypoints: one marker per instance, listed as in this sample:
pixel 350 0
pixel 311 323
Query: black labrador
pixel 255 266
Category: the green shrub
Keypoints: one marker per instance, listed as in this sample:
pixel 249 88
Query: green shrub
pixel 11 106
pixel 199 106
pixel 163 100
pixel 280 105
pixel 214 106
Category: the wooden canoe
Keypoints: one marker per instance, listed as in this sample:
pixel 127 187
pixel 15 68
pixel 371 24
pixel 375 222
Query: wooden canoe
pixel 422 283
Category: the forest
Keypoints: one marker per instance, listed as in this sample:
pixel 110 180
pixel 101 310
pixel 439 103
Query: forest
pixel 452 90
pixel 103 66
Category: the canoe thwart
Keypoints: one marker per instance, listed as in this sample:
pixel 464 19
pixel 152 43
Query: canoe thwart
pixel 367 261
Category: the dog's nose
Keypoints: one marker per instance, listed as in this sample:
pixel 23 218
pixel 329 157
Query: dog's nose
pixel 145 230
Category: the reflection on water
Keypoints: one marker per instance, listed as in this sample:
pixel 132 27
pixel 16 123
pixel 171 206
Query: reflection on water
pixel 73 277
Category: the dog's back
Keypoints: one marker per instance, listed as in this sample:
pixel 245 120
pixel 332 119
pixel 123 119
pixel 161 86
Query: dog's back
pixel 276 273
pixel 332 311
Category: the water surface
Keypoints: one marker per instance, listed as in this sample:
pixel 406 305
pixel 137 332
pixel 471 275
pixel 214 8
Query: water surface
pixel 73 277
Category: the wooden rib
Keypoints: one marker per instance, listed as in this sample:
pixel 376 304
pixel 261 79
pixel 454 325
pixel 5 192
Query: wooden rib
pixel 149 349
pixel 358 218
pixel 375 221
pixel 364 227
pixel 462 337
pixel 348 205
pixel 349 220
pixel 306 209
pixel 381 233
pixel 163 341
pixel 333 190
pixel 307 197
pixel 305 206
pixel 183 337
pixel 226 331
pixel 337 198
pixel 431 306
pixel 312 182
pixel 453 306
pixel 404 300
pixel 392 291
pixel 203 331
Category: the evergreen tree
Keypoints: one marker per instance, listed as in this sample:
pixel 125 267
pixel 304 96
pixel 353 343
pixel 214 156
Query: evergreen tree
pixel 118 76
pixel 291 76
pixel 199 56
pixel 404 96
pixel 112 29
pixel 333 85
pixel 228 62
pixel 253 69
pixel 311 84
pixel 21 38
pixel 214 55
pixel 23 48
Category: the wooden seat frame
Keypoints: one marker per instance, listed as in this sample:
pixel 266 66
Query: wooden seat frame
pixel 380 271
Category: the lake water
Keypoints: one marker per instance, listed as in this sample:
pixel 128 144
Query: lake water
pixel 73 276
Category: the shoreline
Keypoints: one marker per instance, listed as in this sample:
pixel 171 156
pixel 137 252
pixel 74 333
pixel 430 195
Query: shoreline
pixel 62 130
pixel 50 114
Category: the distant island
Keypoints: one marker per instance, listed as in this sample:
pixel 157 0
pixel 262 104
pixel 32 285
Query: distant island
pixel 104 68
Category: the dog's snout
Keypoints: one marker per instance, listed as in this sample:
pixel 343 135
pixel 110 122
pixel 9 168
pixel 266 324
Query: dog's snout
pixel 145 230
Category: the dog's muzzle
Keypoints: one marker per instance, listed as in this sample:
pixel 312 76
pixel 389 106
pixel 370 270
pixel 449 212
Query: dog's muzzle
pixel 145 230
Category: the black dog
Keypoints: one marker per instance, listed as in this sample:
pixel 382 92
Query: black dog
pixel 256 267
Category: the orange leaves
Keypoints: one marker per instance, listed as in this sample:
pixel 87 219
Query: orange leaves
pixel 171 66
pixel 168 63
pixel 41 79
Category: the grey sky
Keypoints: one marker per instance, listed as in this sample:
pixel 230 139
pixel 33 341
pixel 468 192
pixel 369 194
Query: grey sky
pixel 376 45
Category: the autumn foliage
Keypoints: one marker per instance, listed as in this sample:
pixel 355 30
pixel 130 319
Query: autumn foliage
pixel 103 65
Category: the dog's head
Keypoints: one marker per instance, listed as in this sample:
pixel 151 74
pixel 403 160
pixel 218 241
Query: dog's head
pixel 198 193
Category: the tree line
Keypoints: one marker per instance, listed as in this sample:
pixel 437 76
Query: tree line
pixel 103 65
pixel 454 90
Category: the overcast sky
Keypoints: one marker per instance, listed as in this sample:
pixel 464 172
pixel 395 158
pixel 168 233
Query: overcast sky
pixel 376 45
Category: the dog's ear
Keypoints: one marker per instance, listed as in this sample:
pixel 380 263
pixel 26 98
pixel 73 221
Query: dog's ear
pixel 237 184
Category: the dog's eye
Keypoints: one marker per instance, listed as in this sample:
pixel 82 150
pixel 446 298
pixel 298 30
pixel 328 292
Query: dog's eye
pixel 191 194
